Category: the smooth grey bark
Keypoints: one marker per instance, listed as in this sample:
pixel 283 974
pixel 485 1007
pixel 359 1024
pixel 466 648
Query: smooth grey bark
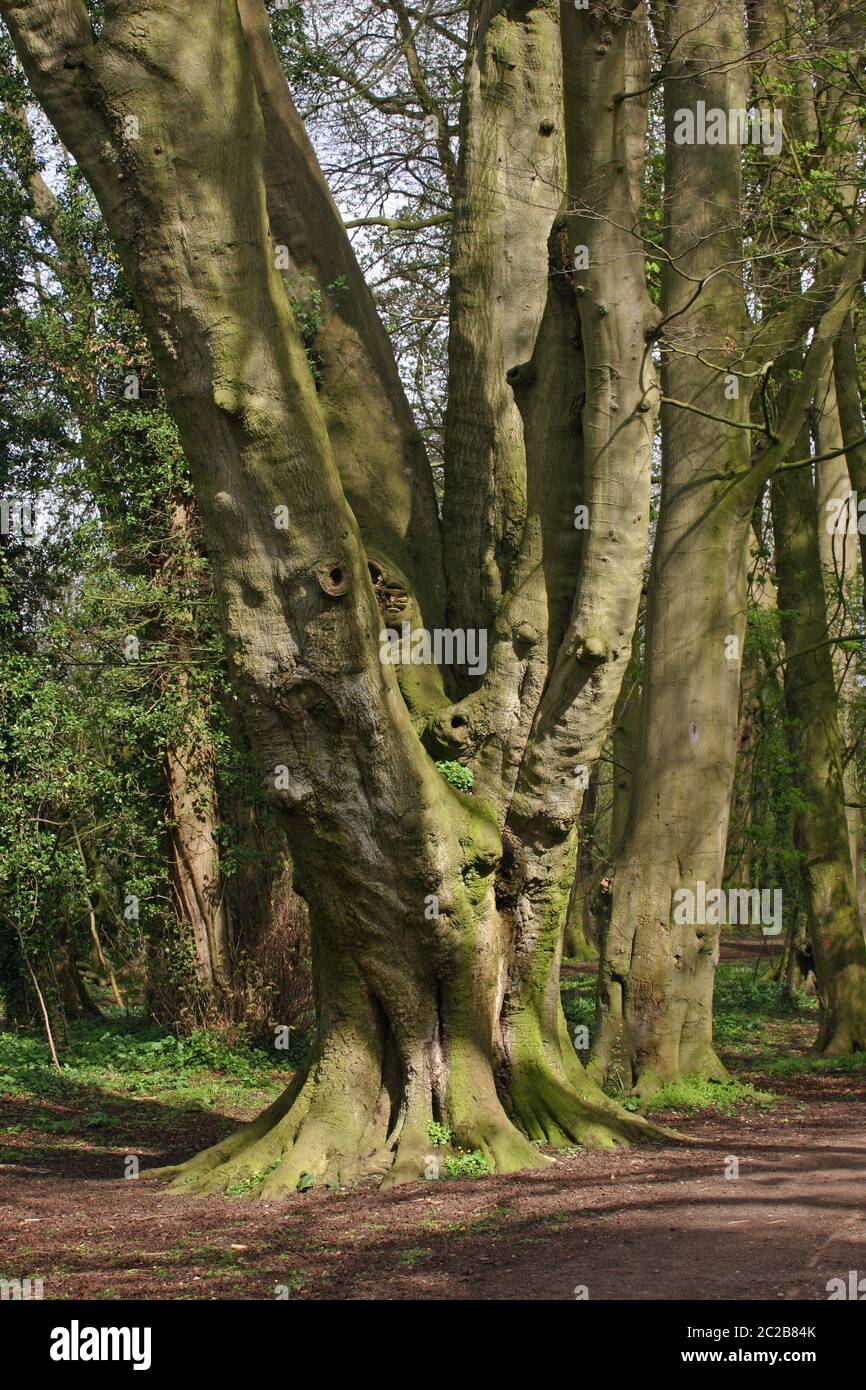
pixel 655 981
pixel 507 192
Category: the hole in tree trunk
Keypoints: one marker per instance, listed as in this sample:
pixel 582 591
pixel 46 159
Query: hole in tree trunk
pixel 334 576
pixel 391 596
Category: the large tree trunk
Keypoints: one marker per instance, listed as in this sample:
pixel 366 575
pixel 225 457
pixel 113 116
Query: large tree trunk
pixel 605 53
pixel 656 978
pixel 429 1004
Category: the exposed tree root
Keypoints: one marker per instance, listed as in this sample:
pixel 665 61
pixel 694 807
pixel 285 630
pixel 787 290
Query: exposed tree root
pixel 642 1061
pixel 318 1133
pixel 314 1142
pixel 840 1038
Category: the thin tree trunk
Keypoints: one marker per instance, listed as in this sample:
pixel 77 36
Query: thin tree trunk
pixel 46 1022
pixel 91 921
pixel 195 866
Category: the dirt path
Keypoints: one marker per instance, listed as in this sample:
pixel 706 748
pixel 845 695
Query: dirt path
pixel 646 1223
pixel 744 950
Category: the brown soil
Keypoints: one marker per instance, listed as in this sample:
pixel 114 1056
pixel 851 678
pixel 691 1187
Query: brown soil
pixel 657 1222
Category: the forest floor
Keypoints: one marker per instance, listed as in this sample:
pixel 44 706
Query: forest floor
pixel 665 1221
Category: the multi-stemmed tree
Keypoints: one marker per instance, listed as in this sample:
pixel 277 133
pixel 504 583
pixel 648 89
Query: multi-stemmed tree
pixel 436 914
pixel 437 911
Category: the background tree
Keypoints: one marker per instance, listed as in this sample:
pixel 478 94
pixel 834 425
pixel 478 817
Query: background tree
pixel 656 976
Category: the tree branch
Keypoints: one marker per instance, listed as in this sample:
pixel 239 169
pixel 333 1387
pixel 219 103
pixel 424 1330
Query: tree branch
pixel 399 224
